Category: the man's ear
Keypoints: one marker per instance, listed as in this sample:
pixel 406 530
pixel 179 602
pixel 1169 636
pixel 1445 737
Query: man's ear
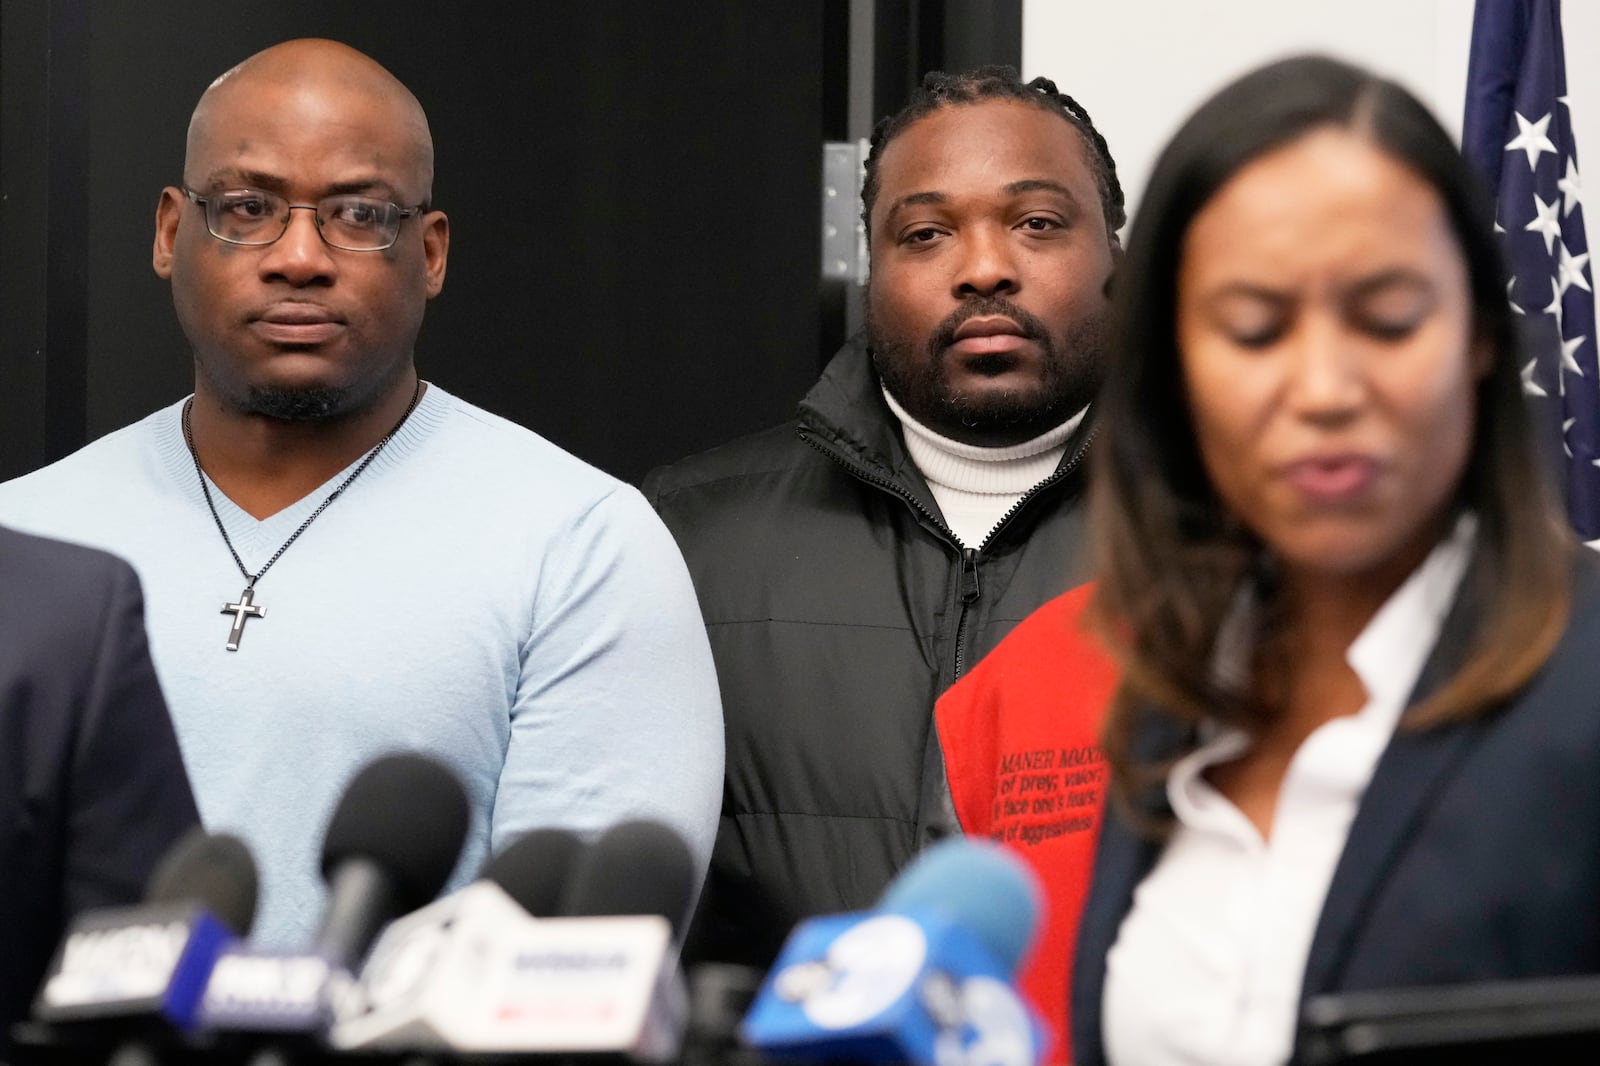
pixel 435 249
pixel 1115 244
pixel 169 210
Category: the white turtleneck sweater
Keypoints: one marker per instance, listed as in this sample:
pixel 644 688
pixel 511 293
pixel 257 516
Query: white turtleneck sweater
pixel 973 485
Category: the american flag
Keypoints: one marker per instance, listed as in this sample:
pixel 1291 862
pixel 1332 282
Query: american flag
pixel 1518 133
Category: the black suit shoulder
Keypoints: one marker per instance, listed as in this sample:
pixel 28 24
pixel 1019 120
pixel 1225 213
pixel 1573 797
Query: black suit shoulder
pixel 54 590
pixel 92 787
pixel 64 612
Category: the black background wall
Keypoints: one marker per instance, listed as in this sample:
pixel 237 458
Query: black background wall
pixel 633 189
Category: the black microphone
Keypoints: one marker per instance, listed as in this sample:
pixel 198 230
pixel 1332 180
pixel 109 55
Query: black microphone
pixel 389 849
pixel 636 867
pixel 214 870
pixel 533 869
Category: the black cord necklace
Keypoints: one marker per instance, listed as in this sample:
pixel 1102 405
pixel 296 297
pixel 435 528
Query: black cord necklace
pixel 247 607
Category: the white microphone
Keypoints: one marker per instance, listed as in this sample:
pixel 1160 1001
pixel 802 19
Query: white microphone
pixel 420 986
pixel 478 975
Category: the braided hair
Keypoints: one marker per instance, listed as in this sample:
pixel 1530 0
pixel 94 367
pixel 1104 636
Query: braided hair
pixel 939 89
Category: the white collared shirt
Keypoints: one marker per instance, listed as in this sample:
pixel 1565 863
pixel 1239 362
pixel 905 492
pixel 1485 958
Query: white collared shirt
pixel 1208 963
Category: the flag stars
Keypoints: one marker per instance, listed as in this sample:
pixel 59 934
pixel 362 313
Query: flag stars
pixel 1546 222
pixel 1569 361
pixel 1531 138
pixel 1520 87
pixel 1554 307
pixel 1529 386
pixel 1569 270
pixel 1571 188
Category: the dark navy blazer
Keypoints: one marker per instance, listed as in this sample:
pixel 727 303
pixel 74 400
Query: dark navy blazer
pixel 92 789
pixel 1474 854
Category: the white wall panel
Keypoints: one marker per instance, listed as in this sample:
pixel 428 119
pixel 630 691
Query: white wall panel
pixel 1141 66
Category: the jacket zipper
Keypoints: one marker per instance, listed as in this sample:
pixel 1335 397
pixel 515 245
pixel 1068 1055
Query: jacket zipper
pixel 969 596
pixel 967 600
pixel 970 590
pixel 1059 474
pixel 969 561
pixel 884 483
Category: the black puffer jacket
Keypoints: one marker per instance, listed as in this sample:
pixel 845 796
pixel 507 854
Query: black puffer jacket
pixel 839 606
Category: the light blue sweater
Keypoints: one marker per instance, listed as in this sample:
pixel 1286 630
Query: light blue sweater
pixel 477 594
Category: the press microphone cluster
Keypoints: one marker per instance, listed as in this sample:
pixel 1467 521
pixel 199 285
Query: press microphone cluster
pixel 561 950
pixel 560 947
pixel 569 952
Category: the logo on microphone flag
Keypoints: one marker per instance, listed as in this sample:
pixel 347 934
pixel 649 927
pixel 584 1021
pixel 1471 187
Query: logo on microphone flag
pixel 910 986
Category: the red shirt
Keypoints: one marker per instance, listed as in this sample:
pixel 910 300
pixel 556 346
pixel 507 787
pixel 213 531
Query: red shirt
pixel 1020 737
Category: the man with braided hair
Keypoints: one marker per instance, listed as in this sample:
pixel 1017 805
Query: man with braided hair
pixel 853 563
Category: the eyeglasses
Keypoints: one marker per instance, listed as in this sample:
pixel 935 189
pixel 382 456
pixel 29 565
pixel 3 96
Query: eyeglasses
pixel 255 218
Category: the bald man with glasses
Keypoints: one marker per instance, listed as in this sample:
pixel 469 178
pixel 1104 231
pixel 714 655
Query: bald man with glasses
pixel 341 559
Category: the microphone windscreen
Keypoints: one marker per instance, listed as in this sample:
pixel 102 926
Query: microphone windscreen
pixel 213 869
pixel 975 884
pixel 637 867
pixel 407 814
pixel 533 869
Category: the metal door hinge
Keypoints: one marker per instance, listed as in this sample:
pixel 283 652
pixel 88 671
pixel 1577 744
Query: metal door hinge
pixel 844 238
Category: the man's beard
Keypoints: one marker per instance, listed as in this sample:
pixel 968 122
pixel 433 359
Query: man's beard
pixel 919 380
pixel 295 405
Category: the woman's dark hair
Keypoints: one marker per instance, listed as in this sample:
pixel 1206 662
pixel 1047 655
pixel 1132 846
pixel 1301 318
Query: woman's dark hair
pixel 1171 559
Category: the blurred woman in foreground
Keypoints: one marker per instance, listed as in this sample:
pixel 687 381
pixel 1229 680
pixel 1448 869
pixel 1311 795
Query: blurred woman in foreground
pixel 1357 739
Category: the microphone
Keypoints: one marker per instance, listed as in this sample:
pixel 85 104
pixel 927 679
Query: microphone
pixel 429 966
pixel 211 868
pixel 605 979
pixel 634 868
pixel 533 869
pixel 982 886
pixel 600 978
pixel 924 978
pixel 389 848
pixel 126 971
